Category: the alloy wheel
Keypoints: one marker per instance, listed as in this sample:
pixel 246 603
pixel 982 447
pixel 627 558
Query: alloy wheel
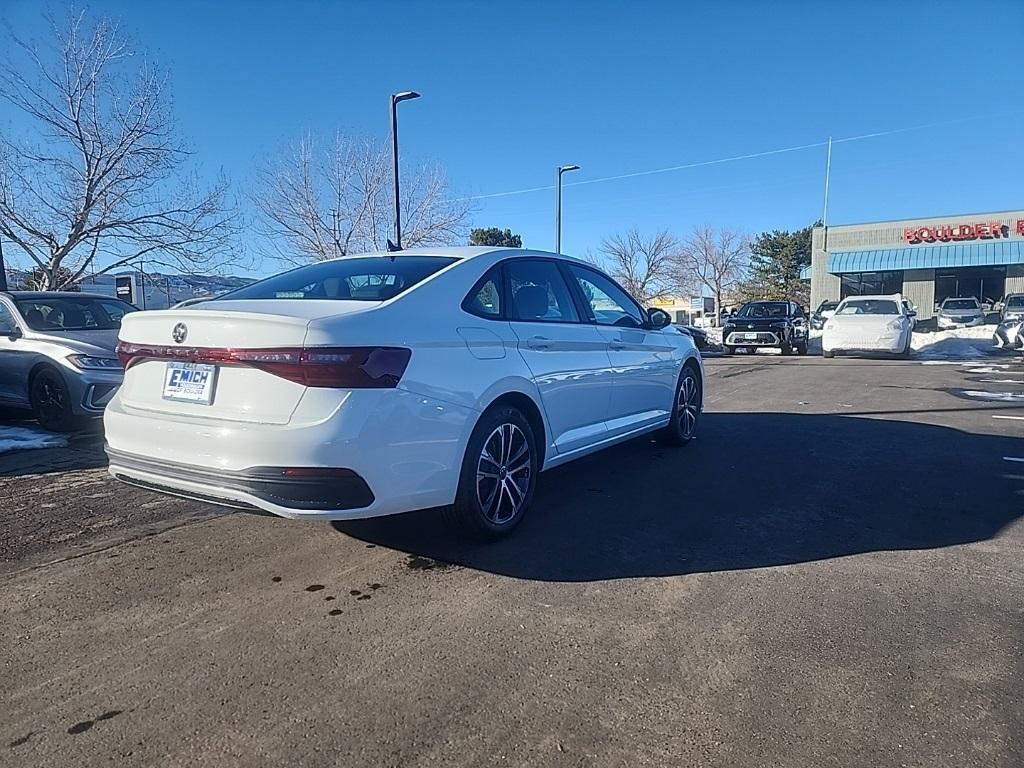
pixel 503 473
pixel 49 400
pixel 688 406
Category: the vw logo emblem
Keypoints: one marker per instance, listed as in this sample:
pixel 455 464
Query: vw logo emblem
pixel 179 333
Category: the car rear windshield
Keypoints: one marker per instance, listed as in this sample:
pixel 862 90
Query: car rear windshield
pixel 765 309
pixel 63 313
pixel 960 304
pixel 1015 302
pixel 869 307
pixel 356 278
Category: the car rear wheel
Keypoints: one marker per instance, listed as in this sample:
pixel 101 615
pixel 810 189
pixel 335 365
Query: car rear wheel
pixel 801 347
pixel 51 401
pixel 685 411
pixel 499 474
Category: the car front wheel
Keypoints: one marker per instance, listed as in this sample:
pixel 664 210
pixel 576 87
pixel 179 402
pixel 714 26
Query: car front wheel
pixel 499 474
pixel 686 410
pixel 51 401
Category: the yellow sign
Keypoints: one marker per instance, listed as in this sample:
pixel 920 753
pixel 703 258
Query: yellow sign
pixel 664 301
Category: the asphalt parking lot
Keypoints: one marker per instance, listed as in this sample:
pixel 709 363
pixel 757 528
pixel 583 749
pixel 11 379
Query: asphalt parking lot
pixel 831 575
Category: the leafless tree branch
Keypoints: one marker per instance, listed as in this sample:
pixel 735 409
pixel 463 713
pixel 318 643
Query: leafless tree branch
pixel 320 203
pixel 714 259
pixel 642 265
pixel 101 179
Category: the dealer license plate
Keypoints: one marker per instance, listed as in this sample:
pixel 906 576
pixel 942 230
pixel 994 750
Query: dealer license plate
pixel 190 382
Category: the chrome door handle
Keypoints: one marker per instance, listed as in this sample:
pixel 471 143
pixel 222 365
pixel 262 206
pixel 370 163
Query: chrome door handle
pixel 616 345
pixel 539 342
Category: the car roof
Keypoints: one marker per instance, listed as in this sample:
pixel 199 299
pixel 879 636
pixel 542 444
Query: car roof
pixel 464 252
pixel 885 296
pixel 55 295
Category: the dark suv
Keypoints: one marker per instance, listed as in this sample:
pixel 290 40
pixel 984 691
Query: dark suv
pixel 776 324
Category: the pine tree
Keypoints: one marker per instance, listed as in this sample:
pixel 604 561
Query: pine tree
pixel 776 260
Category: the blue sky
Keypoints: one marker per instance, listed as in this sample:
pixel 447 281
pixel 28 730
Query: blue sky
pixel 512 89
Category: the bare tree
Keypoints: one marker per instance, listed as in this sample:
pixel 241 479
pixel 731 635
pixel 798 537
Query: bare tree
pixel 323 203
pixel 715 259
pixel 102 181
pixel 643 265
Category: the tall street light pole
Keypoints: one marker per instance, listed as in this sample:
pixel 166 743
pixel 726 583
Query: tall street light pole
pixel 3 269
pixel 558 204
pixel 395 98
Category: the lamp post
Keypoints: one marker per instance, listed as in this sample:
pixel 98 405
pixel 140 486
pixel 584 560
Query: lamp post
pixel 558 204
pixel 3 269
pixel 395 98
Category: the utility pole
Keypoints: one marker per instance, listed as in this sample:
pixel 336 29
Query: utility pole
pixel 824 212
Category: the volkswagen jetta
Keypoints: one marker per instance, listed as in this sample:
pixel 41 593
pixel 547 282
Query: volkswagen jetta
pixel 383 383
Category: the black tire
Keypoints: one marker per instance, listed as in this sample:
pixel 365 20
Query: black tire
pixel 786 348
pixel 686 409
pixel 485 507
pixel 905 354
pixel 828 354
pixel 801 348
pixel 51 401
pixel 727 350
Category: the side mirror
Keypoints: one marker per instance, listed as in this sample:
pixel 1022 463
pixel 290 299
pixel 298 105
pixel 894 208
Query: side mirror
pixel 912 313
pixel 658 318
pixel 14 333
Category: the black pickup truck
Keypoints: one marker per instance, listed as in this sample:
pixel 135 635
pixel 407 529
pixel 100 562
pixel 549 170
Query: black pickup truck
pixel 775 324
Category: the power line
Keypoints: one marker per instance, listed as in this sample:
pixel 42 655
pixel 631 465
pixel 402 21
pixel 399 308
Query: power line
pixel 732 159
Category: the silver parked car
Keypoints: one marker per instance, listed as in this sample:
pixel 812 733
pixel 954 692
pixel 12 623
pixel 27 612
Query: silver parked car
pixel 57 354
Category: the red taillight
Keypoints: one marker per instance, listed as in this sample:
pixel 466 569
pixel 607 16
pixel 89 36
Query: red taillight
pixel 333 367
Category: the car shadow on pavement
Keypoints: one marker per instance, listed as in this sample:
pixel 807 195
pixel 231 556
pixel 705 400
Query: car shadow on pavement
pixel 754 490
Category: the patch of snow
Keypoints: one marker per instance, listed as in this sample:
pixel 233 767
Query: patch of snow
pixel 988 369
pixel 27 438
pixel 1004 397
pixel 954 344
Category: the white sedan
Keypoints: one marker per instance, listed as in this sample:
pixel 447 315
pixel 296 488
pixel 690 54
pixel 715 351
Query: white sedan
pixel 869 324
pixel 378 384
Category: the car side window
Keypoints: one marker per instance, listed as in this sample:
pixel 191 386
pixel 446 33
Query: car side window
pixel 6 320
pixel 484 300
pixel 539 293
pixel 610 304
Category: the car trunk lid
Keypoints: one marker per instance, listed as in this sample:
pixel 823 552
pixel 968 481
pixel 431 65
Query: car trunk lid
pixel 238 392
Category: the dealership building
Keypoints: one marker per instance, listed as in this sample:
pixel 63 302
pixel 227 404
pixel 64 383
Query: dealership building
pixel 927 260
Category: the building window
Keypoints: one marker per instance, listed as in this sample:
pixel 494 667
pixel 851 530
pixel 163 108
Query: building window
pixel 870 283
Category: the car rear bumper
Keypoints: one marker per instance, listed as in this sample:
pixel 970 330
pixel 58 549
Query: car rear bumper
pixel 403 452
pixel 293 490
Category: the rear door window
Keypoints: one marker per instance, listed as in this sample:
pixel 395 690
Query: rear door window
pixel 539 293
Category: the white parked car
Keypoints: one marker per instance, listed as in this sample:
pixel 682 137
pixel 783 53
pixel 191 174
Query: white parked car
pixel 955 313
pixel 869 324
pixel 378 384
